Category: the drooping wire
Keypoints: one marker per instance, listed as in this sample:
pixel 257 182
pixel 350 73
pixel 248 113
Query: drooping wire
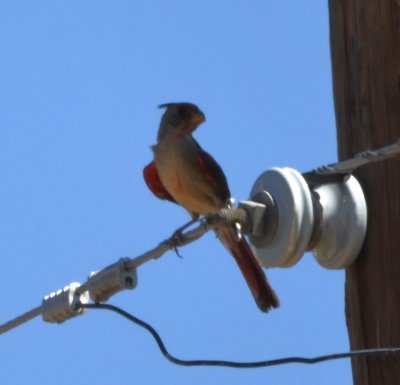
pixel 235 364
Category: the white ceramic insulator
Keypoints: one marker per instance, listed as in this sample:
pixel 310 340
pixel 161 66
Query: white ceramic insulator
pixel 295 216
pixel 334 231
pixel 343 223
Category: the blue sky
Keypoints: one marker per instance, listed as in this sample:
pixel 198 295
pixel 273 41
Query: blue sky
pixel 80 83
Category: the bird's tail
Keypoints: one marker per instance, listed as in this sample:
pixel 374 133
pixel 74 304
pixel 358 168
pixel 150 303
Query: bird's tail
pixel 263 293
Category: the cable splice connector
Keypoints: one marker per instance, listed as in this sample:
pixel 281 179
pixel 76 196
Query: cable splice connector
pixel 105 283
pixel 62 304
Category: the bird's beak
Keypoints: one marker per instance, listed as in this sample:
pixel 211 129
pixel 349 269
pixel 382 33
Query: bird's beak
pixel 198 118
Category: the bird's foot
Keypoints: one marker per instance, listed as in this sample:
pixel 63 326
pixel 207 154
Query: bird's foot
pixel 176 241
pixel 179 233
pixel 177 236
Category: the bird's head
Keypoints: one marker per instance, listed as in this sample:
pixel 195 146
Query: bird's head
pixel 180 119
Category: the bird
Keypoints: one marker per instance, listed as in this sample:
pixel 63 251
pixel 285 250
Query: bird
pixel 183 173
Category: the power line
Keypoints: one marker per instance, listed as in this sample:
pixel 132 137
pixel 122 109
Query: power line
pixel 336 172
pixel 101 285
pixel 21 319
pixel 360 159
pixel 235 364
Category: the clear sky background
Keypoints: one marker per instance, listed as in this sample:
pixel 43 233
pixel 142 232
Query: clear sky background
pixel 80 82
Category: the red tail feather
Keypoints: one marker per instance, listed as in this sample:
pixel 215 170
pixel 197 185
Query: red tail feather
pixel 263 294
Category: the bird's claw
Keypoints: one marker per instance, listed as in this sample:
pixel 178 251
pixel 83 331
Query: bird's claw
pixel 176 241
pixel 177 236
pixel 177 252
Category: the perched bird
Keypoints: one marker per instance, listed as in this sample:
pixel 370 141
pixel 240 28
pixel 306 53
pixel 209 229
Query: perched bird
pixel 182 172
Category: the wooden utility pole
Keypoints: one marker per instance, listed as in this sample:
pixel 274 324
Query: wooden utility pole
pixel 365 48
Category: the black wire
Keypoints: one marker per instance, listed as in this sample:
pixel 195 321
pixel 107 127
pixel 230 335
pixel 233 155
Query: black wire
pixel 233 364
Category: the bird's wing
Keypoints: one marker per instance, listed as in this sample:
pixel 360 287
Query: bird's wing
pixel 214 173
pixel 153 181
